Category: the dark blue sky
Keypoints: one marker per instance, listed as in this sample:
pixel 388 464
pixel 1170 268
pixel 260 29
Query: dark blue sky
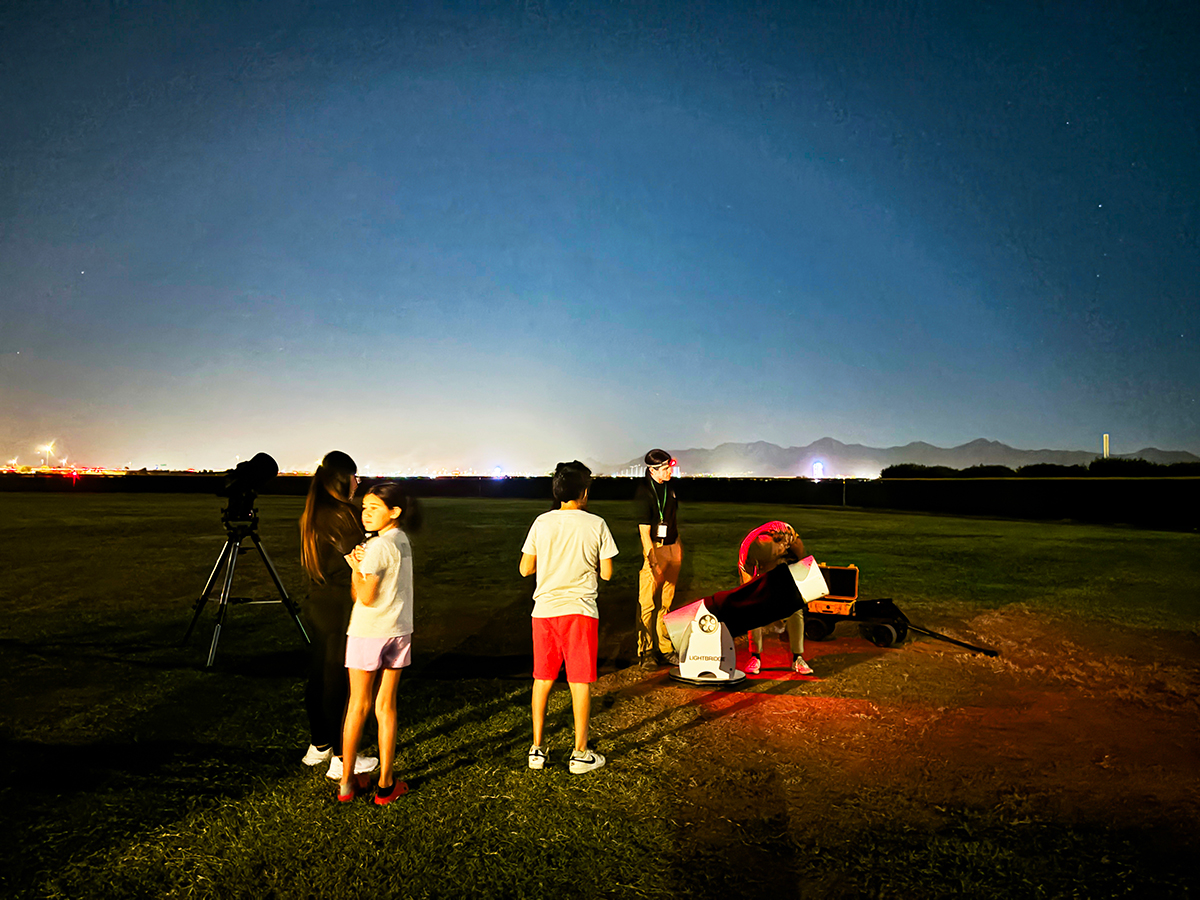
pixel 510 233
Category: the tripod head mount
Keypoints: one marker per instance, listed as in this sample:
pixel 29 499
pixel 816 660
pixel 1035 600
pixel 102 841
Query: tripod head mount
pixel 241 513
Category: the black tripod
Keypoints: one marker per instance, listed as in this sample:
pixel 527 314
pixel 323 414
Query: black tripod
pixel 240 519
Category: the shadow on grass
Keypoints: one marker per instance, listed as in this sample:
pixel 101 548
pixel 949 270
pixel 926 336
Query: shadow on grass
pixel 31 769
pixel 92 797
pixel 502 648
pixel 656 723
pixel 251 655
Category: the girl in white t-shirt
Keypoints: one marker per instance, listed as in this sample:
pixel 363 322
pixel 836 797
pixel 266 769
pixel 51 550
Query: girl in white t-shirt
pixel 379 639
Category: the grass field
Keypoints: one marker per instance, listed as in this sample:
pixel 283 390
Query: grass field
pixel 129 770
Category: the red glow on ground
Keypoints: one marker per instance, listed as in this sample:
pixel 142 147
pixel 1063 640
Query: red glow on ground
pixel 778 691
pixel 778 703
pixel 777 656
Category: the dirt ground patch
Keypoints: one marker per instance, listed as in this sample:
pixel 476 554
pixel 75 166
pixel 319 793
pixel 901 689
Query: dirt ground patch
pixel 1080 726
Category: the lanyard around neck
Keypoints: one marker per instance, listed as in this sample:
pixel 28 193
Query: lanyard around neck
pixel 662 504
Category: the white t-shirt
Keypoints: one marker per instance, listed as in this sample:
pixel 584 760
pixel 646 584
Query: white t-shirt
pixel 388 555
pixel 568 544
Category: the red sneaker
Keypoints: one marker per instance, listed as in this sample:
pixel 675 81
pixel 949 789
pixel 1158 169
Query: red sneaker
pixel 359 785
pixel 384 796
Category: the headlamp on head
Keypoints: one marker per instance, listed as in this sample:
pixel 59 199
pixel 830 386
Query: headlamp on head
pixel 657 459
pixel 660 460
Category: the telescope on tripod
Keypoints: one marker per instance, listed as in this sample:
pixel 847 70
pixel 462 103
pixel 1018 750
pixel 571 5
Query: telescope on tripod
pixel 240 519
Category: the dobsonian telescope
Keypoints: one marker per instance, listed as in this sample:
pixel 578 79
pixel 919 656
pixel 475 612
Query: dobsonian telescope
pixel 240 519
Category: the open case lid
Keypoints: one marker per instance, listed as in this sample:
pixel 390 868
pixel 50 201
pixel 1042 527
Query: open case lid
pixel 842 582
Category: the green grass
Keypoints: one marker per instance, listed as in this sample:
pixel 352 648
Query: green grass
pixel 128 770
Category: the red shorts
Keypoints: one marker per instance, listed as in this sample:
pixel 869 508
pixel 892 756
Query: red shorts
pixel 570 639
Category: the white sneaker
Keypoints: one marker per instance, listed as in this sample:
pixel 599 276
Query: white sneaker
pixel 753 665
pixel 537 757
pixel 801 667
pixel 585 761
pixel 315 757
pixel 362 765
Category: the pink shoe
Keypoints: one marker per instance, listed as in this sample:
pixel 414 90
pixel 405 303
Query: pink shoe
pixel 800 667
pixel 359 785
pixel 753 665
pixel 384 796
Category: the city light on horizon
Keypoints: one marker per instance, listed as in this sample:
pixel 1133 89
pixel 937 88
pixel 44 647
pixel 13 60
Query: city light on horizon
pixel 837 461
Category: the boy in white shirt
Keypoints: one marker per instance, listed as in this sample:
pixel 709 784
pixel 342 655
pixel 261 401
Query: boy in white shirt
pixel 567 548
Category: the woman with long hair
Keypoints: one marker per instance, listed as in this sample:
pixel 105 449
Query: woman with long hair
pixel 329 532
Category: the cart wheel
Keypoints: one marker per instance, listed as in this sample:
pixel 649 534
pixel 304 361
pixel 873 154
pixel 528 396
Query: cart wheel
pixel 817 627
pixel 879 634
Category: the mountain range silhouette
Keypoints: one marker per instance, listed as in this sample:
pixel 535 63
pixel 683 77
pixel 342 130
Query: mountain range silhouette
pixel 762 459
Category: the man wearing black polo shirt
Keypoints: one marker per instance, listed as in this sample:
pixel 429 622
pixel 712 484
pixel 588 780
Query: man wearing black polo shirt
pixel 657 507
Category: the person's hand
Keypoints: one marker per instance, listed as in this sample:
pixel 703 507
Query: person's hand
pixel 358 552
pixel 780 543
pixel 797 546
pixel 783 541
pixel 784 537
pixel 658 567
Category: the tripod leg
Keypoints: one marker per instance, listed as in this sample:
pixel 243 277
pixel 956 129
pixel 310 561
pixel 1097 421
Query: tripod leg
pixel 212 580
pixel 235 546
pixel 949 640
pixel 283 594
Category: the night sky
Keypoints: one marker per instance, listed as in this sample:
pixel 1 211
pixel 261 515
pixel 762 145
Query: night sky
pixel 504 234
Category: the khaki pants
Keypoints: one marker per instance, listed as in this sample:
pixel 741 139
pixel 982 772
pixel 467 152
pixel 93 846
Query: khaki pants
pixel 656 593
pixel 795 633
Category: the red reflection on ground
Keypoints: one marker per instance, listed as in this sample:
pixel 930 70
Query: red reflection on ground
pixel 777 655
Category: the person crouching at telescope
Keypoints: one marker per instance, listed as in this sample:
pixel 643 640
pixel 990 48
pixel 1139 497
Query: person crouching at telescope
pixel 762 550
pixel 569 549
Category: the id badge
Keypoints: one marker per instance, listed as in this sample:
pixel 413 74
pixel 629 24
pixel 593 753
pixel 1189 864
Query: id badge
pixel 661 533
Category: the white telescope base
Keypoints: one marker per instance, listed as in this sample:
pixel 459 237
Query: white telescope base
pixel 706 652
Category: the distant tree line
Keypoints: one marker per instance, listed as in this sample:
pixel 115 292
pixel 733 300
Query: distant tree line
pixel 1097 468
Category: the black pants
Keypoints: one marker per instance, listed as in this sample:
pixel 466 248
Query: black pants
pixel 326 616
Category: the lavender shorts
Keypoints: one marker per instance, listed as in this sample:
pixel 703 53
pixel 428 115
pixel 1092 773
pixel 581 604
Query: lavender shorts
pixel 368 654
